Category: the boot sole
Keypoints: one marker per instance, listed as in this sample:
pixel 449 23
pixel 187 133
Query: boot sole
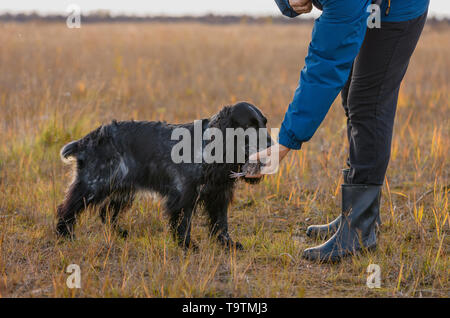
pixel 338 259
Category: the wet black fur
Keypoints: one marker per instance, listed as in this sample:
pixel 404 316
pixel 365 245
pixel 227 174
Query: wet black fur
pixel 116 161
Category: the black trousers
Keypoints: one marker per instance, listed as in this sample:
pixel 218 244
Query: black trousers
pixel 371 94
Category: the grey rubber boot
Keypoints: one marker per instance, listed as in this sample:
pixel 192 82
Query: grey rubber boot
pixel 357 229
pixel 325 230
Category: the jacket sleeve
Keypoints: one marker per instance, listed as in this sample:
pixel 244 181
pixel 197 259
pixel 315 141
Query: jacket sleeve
pixel 336 39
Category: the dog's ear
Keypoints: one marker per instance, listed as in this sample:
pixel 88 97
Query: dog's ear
pixel 222 119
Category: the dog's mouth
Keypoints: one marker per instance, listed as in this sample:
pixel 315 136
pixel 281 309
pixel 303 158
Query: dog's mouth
pixel 248 169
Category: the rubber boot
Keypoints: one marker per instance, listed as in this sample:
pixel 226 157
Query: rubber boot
pixel 357 230
pixel 325 230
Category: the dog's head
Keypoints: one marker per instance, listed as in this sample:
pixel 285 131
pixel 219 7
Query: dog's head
pixel 244 129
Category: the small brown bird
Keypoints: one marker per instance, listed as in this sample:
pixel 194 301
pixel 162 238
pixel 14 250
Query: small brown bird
pixel 250 168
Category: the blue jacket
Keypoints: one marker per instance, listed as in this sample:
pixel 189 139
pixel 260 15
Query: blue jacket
pixel 336 39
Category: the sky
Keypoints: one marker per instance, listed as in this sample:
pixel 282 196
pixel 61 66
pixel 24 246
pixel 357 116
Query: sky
pixel 171 7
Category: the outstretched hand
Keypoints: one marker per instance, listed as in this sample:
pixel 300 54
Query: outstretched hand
pixel 271 157
pixel 301 6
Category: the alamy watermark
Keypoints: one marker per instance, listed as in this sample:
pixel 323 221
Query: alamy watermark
pixel 73 20
pixel 374 19
pixel 213 145
pixel 374 278
pixel 74 279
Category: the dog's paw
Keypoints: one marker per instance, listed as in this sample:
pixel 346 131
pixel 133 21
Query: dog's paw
pixel 122 233
pixel 227 242
pixel 62 239
pixel 190 246
pixel 232 245
pixel 187 244
pixel 193 246
pixel 65 231
pixel 238 246
pixel 63 236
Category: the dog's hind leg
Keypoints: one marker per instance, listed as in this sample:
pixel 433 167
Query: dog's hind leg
pixel 180 223
pixel 111 208
pixel 180 212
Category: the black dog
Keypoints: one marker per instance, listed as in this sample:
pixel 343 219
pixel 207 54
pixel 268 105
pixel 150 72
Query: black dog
pixel 116 161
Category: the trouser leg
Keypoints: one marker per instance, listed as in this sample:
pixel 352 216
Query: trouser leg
pixel 344 97
pixel 372 98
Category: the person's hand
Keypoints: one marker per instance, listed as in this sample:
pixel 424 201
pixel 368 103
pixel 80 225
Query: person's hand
pixel 301 6
pixel 271 157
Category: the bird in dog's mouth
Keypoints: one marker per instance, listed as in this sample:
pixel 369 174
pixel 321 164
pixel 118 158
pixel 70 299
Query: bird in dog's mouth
pixel 250 168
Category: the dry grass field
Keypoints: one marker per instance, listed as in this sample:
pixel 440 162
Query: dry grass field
pixel 57 84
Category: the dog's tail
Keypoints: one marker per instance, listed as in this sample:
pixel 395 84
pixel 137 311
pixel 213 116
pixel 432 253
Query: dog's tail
pixel 70 151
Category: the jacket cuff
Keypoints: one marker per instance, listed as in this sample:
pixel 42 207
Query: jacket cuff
pixel 317 4
pixel 286 8
pixel 287 139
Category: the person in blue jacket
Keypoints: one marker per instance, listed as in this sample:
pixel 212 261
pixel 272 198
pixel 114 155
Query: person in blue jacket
pixel 366 65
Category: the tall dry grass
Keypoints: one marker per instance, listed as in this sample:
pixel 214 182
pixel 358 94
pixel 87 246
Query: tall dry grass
pixel 57 84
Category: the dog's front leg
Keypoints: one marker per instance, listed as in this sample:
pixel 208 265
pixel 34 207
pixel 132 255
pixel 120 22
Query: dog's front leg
pixel 217 209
